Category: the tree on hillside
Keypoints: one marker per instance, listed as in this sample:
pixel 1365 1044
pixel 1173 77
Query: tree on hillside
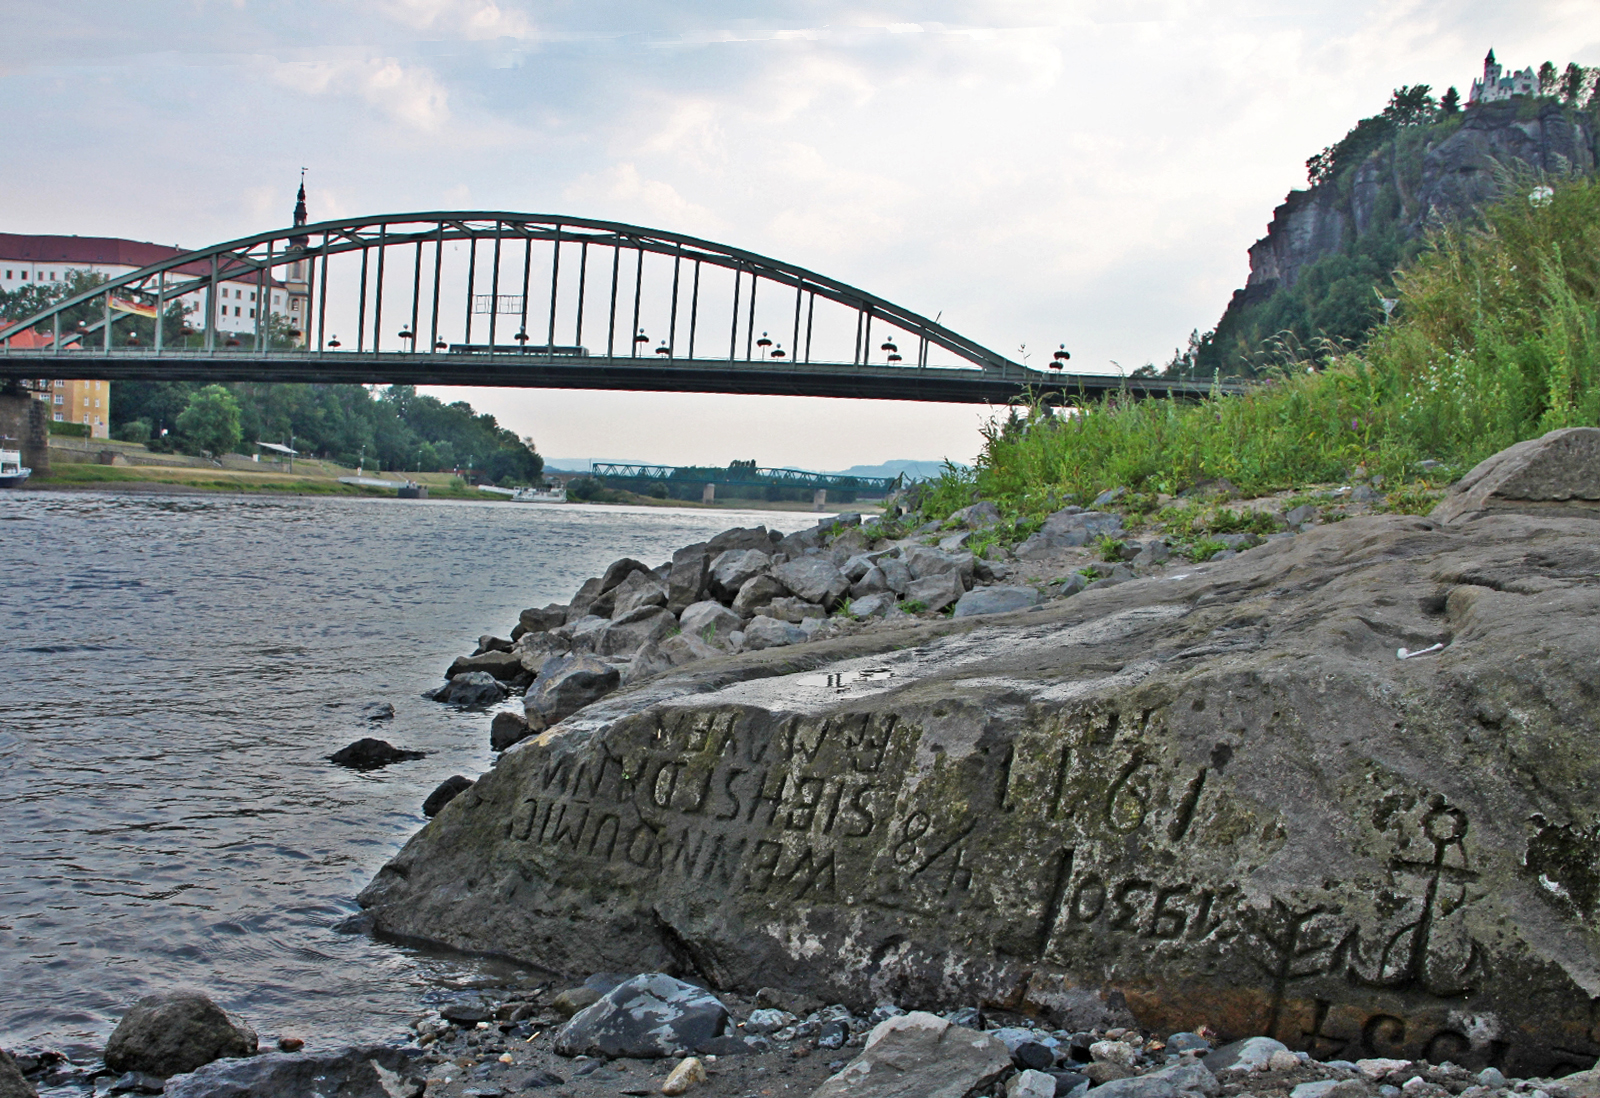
pixel 1547 79
pixel 1411 106
pixel 1450 102
pixel 1574 82
pixel 210 424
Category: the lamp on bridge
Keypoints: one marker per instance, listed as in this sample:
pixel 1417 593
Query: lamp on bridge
pixel 641 337
pixel 439 345
pixel 663 349
pixel 334 343
pixel 405 333
pixel 1059 359
pixel 232 341
pixel 133 339
pixel 892 349
pixel 777 352
pixel 522 338
pixel 763 343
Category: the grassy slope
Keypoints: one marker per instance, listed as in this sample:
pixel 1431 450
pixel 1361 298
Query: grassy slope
pixel 1496 340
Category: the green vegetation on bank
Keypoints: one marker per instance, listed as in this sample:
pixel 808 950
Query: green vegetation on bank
pixel 1499 341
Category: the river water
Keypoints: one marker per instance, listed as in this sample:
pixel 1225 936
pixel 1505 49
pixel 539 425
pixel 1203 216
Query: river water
pixel 177 669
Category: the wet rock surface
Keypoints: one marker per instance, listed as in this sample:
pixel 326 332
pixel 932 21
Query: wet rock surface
pixel 176 1031
pixel 1212 793
pixel 369 753
pixel 647 1016
pixel 370 1072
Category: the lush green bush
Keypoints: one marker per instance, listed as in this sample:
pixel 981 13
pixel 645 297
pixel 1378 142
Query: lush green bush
pixel 1498 341
pixel 72 430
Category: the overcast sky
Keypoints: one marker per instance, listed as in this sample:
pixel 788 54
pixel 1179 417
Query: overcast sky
pixel 1039 172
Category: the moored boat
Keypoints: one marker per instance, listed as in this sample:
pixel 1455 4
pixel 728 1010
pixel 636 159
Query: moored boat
pixel 13 474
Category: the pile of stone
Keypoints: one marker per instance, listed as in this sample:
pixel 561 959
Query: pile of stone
pixel 745 589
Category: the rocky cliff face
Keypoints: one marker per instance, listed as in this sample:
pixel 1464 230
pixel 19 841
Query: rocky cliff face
pixel 1217 796
pixel 1459 173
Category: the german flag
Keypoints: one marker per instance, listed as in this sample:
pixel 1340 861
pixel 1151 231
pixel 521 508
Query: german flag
pixel 125 305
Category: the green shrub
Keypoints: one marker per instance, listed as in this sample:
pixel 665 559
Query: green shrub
pixel 71 430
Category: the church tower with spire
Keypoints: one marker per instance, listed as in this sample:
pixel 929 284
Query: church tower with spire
pixel 297 283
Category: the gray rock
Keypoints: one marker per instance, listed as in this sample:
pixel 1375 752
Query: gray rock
pixel 1031 1083
pixel 634 630
pixel 566 684
pixel 753 537
pixel 502 665
pixel 1067 529
pixel 1154 552
pixel 1331 1088
pixel 814 580
pixel 1239 542
pixel 730 570
pixel 1362 493
pixel 799 542
pixel 996 600
pixel 176 1031
pixel 793 610
pixel 1297 515
pixel 856 567
pixel 488 642
pixel 1110 495
pixel 871 583
pixel 873 606
pixel 378 711
pixel 583 600
pixel 447 791
pixel 757 592
pixel 685 647
pixel 990 571
pixel 925 562
pixel 1558 473
pixel 584 634
pixel 954 543
pixel 686 585
pixel 937 591
pixel 12 1082
pixel 646 662
pixel 506 729
pixel 534 648
pixel 131 1082
pixel 920 1055
pixel 896 574
pixel 646 1017
pixel 710 621
pixel 472 690
pixel 1191 1080
pixel 550 617
pixel 373 1072
pixel 1250 1054
pixel 976 517
pixel 640 589
pixel 1187 1042
pixel 771 633
pixel 1348 801
pixel 369 753
pixel 620 571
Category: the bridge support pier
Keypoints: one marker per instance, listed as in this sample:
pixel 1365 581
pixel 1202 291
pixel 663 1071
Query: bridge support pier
pixel 820 499
pixel 26 421
pixel 709 494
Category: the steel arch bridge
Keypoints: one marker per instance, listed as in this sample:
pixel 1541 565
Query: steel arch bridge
pixel 519 300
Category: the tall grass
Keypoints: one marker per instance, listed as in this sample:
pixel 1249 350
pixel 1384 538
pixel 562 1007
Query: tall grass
pixel 1496 339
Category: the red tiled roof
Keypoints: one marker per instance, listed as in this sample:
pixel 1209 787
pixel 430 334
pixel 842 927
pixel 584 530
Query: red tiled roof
pixel 31 340
pixel 102 250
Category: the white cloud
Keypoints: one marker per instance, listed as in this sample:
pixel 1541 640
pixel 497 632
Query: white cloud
pixel 409 94
pixel 467 19
pixel 620 193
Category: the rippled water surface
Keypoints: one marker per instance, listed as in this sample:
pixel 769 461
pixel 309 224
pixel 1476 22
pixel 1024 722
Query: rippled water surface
pixel 176 671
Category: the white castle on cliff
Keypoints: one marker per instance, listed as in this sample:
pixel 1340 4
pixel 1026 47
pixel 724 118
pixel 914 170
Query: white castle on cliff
pixel 1495 86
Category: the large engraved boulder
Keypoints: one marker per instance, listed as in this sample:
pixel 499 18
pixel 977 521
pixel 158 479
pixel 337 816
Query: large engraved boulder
pixel 1217 796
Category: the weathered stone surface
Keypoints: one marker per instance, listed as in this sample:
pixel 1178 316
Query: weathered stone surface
pixel 565 685
pixel 997 600
pixel 925 562
pixel 682 648
pixel 814 579
pixel 793 610
pixel 506 729
pixel 504 665
pixel 895 574
pixel 937 591
pixel 634 630
pixel 1214 792
pixel 647 1017
pixel 582 635
pixel 1066 529
pixel 730 570
pixel 12 1082
pixel 873 606
pixel 710 621
pixel 638 590
pixel 448 790
pixel 583 600
pixel 620 571
pixel 176 1031
pixel 980 514
pixel 374 1072
pixel 535 620
pixel 686 584
pixel 741 537
pixel 920 1055
pixel 472 689
pixel 758 591
pixel 1558 473
pixel 370 753
pixel 765 632
pixel 872 582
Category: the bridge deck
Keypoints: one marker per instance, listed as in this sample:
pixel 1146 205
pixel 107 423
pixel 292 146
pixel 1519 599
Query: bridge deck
pixel 927 383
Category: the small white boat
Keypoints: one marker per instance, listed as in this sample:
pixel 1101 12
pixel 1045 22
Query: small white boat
pixel 527 495
pixel 13 474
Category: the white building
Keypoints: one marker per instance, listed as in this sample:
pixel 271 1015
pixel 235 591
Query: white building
pixel 1495 86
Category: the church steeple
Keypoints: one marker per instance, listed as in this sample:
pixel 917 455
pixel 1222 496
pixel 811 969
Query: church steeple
pixel 300 214
pixel 1487 61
